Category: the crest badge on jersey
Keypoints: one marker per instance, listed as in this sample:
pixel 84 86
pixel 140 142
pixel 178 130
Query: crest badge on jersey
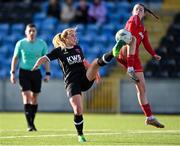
pixel 77 50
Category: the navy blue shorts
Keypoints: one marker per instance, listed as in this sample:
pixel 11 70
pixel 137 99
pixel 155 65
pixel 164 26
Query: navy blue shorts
pixel 30 80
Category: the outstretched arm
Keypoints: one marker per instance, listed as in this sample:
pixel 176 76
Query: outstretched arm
pixel 40 61
pixel 147 44
pixel 148 47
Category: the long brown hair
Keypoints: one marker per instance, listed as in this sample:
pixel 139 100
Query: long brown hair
pixel 148 11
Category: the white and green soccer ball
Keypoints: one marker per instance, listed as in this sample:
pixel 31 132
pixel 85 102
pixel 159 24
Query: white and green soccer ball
pixel 124 35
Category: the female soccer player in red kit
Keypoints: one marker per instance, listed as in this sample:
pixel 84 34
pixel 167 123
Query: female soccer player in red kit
pixel 129 58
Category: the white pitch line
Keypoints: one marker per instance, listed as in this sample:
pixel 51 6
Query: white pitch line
pixel 122 144
pixel 91 130
pixel 54 130
pixel 97 133
pixel 94 130
pixel 32 136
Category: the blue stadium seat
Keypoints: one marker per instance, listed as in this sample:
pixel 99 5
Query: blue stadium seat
pixel 124 7
pixel 49 25
pixel 7 51
pixel 111 7
pixel 3 50
pixel 50 21
pixel 4 29
pixel 39 17
pixel 17 28
pixel 5 62
pixel 123 17
pixel 93 29
pixel 94 51
pixel 60 27
pixel 86 41
pixel 38 26
pixel 108 30
pixel 56 70
pixel 113 19
pixel 106 48
pixel 103 71
pixel 103 39
pixel 45 37
pixel 50 46
pixel 2 73
pixel 85 46
pixel 81 30
pixel 44 6
pixel 90 57
pixel 10 39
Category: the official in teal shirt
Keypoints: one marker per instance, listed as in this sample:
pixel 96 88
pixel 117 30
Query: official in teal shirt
pixel 26 53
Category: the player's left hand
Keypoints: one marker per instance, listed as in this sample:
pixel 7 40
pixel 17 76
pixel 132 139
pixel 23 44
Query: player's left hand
pixel 46 78
pixel 157 57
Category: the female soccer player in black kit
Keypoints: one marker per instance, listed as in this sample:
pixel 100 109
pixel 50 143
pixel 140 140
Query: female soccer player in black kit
pixel 79 75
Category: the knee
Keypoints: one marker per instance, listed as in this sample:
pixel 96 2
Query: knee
pixel 77 110
pixel 34 100
pixel 133 41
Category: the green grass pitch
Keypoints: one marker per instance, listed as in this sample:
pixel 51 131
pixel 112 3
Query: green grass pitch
pixel 55 129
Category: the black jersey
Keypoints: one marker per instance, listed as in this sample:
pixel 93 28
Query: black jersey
pixel 71 62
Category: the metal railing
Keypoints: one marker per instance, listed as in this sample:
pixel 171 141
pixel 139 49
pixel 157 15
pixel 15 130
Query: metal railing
pixel 103 97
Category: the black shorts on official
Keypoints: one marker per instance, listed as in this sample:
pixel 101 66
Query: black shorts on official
pixel 77 86
pixel 30 80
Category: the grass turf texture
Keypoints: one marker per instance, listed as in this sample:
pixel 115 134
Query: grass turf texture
pixel 58 129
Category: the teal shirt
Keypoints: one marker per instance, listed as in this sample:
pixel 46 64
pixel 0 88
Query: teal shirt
pixel 29 52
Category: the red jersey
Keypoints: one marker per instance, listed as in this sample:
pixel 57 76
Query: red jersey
pixel 137 29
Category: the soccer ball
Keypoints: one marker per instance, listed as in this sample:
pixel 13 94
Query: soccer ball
pixel 124 35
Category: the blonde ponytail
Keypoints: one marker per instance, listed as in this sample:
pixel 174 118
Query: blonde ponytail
pixel 60 40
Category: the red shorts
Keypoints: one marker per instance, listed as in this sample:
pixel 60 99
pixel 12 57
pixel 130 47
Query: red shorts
pixel 122 59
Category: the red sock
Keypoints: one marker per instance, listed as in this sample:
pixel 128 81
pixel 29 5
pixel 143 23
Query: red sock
pixel 147 110
pixel 130 60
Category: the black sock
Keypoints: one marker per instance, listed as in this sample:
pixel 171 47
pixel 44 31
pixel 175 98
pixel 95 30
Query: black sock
pixel 27 111
pixel 78 122
pixel 105 59
pixel 33 111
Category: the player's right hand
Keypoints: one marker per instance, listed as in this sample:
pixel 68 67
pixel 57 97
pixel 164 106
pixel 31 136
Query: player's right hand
pixel 13 79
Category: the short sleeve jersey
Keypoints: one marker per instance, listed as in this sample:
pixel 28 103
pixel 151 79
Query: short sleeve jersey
pixel 29 52
pixel 71 62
